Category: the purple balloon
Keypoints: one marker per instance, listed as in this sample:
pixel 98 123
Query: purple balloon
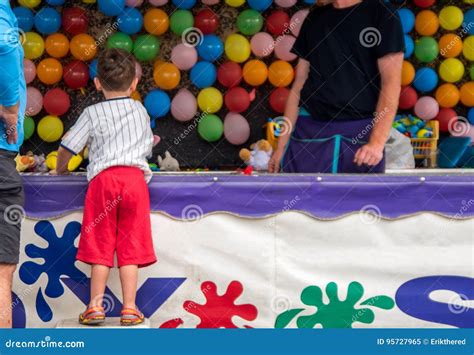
pixel 297 21
pixel 184 57
pixel 283 48
pixel 262 44
pixel 184 106
pixel 29 70
pixel 426 108
pixel 158 2
pixel 34 101
pixel 210 2
pixel 236 128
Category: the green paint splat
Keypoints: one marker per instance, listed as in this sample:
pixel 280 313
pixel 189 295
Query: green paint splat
pixel 336 313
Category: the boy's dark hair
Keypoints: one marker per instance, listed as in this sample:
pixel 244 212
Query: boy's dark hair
pixel 115 69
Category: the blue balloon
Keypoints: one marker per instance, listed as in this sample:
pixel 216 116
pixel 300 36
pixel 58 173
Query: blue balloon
pixel 468 22
pixel 260 5
pixel 111 7
pixel 47 21
pixel 470 115
pixel 24 17
pixel 157 103
pixel 211 48
pixel 425 80
pixel 184 4
pixel 408 19
pixel 130 21
pixel 93 69
pixel 55 2
pixel 409 46
pixel 203 74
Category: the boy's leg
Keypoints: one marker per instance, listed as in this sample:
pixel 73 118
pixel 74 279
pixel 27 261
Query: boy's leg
pixel 99 276
pixel 6 276
pixel 128 279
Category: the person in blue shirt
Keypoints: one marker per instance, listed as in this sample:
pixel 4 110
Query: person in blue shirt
pixel 12 109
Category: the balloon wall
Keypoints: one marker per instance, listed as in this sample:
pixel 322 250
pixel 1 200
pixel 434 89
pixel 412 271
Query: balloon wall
pixel 213 71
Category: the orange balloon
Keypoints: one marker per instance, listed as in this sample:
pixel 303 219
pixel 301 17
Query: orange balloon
pixel 450 45
pixel 408 73
pixel 136 96
pixel 156 22
pixel 49 71
pixel 83 47
pixel 447 95
pixel 281 73
pixel 467 94
pixel 255 72
pixel 166 76
pixel 426 23
pixel 57 45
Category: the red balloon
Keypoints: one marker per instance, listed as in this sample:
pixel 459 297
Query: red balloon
pixel 229 74
pixel 237 99
pixel 75 20
pixel 56 102
pixel 76 74
pixel 408 98
pixel 445 116
pixel 206 20
pixel 278 22
pixel 424 3
pixel 278 99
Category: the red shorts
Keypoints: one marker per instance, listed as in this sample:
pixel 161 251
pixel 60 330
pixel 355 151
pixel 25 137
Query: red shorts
pixel 117 219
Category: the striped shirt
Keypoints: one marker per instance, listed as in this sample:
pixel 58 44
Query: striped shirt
pixel 117 132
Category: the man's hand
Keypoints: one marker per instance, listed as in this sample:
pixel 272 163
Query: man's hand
pixel 274 162
pixel 369 154
pixel 9 115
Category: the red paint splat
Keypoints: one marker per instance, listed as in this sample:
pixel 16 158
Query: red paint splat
pixel 173 323
pixel 218 311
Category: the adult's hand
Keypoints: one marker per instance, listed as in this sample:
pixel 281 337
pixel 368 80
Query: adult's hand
pixel 369 154
pixel 274 162
pixel 9 115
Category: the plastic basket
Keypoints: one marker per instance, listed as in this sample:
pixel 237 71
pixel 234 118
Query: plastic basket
pixel 426 148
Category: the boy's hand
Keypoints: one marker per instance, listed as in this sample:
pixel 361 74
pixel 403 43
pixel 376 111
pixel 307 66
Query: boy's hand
pixel 53 172
pixel 9 115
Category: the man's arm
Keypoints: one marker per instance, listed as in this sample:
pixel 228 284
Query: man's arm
pixel 390 68
pixel 291 113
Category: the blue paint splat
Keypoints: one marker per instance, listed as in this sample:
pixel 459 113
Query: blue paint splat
pixel 42 308
pixel 19 313
pixel 59 257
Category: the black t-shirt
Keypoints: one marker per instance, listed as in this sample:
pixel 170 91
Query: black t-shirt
pixel 342 46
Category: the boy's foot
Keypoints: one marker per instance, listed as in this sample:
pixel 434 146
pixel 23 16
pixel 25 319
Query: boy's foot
pixel 92 316
pixel 131 316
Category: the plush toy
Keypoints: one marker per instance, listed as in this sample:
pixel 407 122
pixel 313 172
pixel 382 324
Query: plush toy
pixel 168 163
pixel 40 164
pixel 259 155
pixel 24 162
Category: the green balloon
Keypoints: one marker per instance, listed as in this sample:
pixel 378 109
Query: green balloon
pixel 146 47
pixel 210 128
pixel 472 72
pixel 249 22
pixel 426 49
pixel 28 127
pixel 120 40
pixel 180 21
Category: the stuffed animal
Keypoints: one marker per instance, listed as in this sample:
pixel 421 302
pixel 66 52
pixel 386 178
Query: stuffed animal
pixel 40 164
pixel 259 155
pixel 24 162
pixel 168 163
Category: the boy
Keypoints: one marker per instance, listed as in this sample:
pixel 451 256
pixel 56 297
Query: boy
pixel 117 206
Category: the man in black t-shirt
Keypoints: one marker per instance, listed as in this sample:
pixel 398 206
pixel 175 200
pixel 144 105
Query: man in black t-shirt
pixel 347 84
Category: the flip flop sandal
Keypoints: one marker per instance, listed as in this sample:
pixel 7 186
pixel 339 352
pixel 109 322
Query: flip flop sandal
pixel 92 316
pixel 130 317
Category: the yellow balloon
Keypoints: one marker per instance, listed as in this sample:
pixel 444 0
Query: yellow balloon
pixel 29 3
pixel 50 128
pixel 237 48
pixel 468 48
pixel 235 3
pixel 74 162
pixel 51 160
pixel 89 1
pixel 210 100
pixel 450 17
pixel 33 45
pixel 451 70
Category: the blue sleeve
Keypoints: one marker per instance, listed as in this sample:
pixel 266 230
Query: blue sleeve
pixel 11 59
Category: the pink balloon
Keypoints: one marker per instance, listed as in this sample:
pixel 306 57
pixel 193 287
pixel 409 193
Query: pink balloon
pixel 134 3
pixel 138 70
pixel 184 57
pixel 262 44
pixel 184 106
pixel 285 3
pixel 29 70
pixel 283 48
pixel 297 21
pixel 426 108
pixel 158 2
pixel 210 2
pixel 236 128
pixel 34 101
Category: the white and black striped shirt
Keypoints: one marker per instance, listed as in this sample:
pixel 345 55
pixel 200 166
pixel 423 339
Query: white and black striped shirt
pixel 117 132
